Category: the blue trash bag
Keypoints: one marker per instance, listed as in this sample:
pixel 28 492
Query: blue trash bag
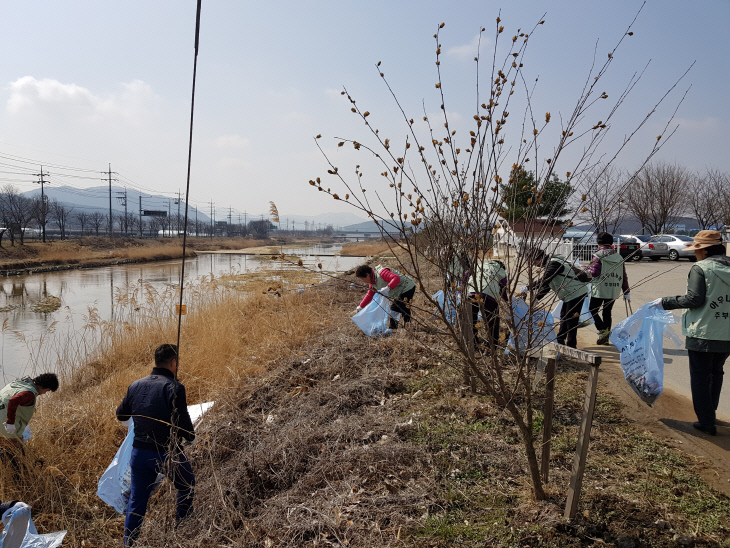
pixel 20 531
pixel 450 310
pixel 115 483
pixel 530 335
pixel 373 319
pixel 639 340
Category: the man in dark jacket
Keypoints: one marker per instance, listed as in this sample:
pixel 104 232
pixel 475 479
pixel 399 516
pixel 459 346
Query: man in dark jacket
pixel 158 406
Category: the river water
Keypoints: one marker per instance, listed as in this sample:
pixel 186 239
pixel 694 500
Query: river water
pixel 43 315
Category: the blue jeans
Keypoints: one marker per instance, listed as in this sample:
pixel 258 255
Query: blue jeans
pixel 145 465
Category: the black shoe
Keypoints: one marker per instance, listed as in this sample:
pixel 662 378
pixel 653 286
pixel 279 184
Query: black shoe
pixel 710 430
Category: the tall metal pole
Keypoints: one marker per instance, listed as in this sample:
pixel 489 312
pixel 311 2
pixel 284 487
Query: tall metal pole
pixel 43 204
pixel 111 219
pixel 178 213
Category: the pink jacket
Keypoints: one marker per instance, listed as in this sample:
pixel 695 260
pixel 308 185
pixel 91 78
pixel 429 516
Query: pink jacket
pixel 391 279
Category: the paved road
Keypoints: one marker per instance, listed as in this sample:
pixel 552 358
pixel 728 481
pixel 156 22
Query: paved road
pixel 650 280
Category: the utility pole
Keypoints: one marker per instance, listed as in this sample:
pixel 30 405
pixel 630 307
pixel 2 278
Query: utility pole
pixel 212 219
pixel 230 220
pixel 178 212
pixel 44 209
pixel 140 215
pixel 111 219
pixel 122 199
pixel 196 222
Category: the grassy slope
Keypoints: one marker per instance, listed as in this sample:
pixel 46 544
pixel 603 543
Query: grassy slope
pixel 322 436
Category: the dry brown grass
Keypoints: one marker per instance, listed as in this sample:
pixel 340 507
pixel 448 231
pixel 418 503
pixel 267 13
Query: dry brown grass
pixel 98 251
pixel 321 436
pixel 228 337
pixel 364 249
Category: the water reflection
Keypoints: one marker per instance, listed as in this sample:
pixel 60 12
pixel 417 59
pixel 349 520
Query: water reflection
pixel 32 320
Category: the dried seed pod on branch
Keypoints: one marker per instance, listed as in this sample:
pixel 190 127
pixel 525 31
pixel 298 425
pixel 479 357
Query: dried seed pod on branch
pixel 450 198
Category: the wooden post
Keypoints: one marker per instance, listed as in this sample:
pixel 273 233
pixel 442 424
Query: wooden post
pixel 584 434
pixel 547 427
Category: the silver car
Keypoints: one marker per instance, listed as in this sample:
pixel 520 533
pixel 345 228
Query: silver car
pixel 675 243
pixel 654 250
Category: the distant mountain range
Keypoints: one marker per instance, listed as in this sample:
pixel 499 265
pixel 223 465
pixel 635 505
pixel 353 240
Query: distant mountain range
pixel 96 199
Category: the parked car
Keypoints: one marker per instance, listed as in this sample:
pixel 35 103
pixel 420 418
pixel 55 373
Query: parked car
pixel 628 247
pixel 584 248
pixel 654 250
pixel 675 243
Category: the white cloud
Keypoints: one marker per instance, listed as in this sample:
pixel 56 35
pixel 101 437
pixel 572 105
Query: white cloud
pixel 467 51
pixel 51 98
pixel 231 142
pixel 707 123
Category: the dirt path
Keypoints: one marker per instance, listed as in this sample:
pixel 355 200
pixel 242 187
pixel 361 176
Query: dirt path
pixel 671 418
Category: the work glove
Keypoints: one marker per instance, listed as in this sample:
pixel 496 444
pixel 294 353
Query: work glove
pixel 627 297
pixel 524 289
pixel 9 428
pixel 656 304
pixel 384 292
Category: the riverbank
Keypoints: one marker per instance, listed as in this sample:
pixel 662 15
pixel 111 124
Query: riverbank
pixel 92 252
pixel 321 436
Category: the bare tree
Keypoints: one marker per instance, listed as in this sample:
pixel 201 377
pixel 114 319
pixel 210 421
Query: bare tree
pixel 131 224
pixel 436 200
pixel 603 198
pixel 658 196
pixel 60 215
pixel 41 212
pixel 719 185
pixel 157 225
pixel 97 220
pixel 18 211
pixel 83 220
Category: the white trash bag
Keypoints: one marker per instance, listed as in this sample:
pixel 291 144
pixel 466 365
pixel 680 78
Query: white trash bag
pixel 373 319
pixel 639 340
pixel 530 336
pixel 20 532
pixel 449 308
pixel 115 483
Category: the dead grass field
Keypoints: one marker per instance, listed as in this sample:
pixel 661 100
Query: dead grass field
pixel 321 437
pixel 364 249
pixel 93 251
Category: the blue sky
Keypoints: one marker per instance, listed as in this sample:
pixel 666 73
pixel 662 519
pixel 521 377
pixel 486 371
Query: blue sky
pixel 85 83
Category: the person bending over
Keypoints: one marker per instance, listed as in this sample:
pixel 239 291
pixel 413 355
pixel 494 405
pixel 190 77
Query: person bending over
pixel 568 283
pixel 398 287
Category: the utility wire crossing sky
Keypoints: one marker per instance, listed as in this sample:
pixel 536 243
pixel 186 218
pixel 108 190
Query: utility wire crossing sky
pixel 95 84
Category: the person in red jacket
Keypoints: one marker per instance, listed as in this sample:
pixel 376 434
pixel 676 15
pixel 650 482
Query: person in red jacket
pixel 398 287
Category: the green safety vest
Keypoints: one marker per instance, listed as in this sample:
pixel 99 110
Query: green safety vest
pixel 24 412
pixel 486 279
pixel 406 283
pixel 608 285
pixel 566 286
pixel 711 321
